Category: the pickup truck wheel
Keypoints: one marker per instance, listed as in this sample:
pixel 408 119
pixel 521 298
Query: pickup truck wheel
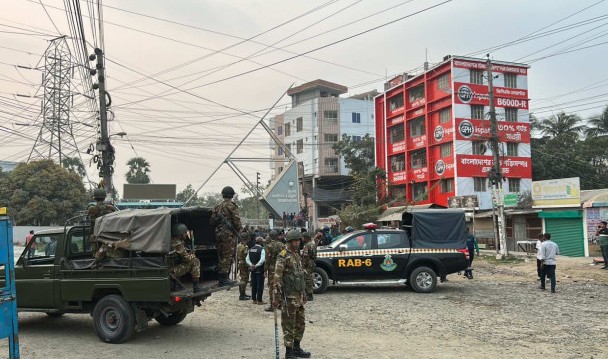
pixel 172 319
pixel 55 314
pixel 114 319
pixel 320 280
pixel 423 280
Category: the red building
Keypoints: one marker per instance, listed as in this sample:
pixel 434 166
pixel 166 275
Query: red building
pixel 432 131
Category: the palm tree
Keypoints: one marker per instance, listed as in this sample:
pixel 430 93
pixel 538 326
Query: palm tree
pixel 138 171
pixel 562 126
pixel 598 125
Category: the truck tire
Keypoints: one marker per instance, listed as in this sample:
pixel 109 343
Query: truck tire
pixel 320 280
pixel 114 319
pixel 423 280
pixel 172 319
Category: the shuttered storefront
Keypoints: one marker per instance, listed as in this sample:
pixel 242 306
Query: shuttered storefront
pixel 566 228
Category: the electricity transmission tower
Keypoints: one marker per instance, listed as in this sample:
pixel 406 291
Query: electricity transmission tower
pixel 56 140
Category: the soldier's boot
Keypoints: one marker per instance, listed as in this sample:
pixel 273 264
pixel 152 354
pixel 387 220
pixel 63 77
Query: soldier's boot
pixel 243 295
pixel 196 286
pixel 289 353
pixel 298 352
pixel 225 281
pixel 309 297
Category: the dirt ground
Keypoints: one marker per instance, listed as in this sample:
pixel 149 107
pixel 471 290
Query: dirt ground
pixel 499 314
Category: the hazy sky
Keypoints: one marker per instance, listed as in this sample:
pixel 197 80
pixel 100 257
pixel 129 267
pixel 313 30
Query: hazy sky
pixel 235 58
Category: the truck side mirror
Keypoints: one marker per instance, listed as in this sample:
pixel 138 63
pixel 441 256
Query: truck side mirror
pixel 343 247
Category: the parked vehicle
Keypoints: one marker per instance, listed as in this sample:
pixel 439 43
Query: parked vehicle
pixel 432 245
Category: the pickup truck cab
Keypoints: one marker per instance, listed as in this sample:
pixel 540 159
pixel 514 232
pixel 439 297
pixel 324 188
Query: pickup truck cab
pixel 57 274
pixel 432 245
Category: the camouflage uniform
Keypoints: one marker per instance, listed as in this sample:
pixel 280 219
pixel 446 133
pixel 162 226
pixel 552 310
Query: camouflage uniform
pixel 309 255
pixel 94 212
pixel 289 286
pixel 224 235
pixel 241 257
pixel 186 262
pixel 273 248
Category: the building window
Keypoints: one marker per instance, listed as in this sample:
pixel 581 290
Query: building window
pixel 447 185
pixel 356 138
pixel 395 102
pixel 512 148
pixel 477 112
pixel 356 117
pixel 514 185
pixel 300 146
pixel 398 163
pixel 330 116
pixel 417 127
pixel 299 124
pixel 477 77
pixel 419 191
pixel 479 184
pixel 287 129
pixel 280 151
pixel 445 115
pixel 330 137
pixel 397 133
pixel 443 83
pixel 445 149
pixel 511 80
pixel 511 114
pixel 416 93
pixel 331 165
pixel 280 130
pixel 479 147
pixel 419 159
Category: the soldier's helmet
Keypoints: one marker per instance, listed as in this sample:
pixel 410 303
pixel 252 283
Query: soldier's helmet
pixel 273 234
pixel 293 235
pixel 306 235
pixel 325 228
pixel 228 192
pixel 99 193
pixel 178 229
pixel 349 229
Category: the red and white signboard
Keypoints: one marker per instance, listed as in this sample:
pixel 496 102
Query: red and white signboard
pixel 480 166
pixel 397 177
pixel 394 120
pixel 473 94
pixel 443 133
pixel 444 168
pixel 417 142
pixel 465 64
pixel 419 174
pixel 396 147
pixel 477 130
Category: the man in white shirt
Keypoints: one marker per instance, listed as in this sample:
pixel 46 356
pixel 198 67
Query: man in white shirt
pixel 548 256
pixel 538 260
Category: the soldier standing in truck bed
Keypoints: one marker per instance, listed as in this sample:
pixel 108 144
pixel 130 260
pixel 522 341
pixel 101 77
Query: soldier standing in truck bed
pixel 227 222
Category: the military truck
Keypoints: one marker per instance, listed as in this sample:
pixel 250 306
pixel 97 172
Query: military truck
pixel 431 245
pixel 57 273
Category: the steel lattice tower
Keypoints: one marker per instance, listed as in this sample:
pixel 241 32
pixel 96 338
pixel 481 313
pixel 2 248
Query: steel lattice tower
pixel 56 140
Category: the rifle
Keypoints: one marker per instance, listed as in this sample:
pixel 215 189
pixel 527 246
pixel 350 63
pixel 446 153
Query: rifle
pixel 276 334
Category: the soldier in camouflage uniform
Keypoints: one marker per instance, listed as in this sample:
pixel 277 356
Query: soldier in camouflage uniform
pixel 272 249
pixel 289 291
pixel 309 255
pixel 227 222
pixel 96 211
pixel 241 257
pixel 184 262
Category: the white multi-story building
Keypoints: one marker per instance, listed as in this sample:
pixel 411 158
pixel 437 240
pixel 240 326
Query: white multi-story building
pixel 316 121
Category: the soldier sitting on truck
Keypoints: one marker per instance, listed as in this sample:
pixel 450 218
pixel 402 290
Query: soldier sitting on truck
pixel 183 262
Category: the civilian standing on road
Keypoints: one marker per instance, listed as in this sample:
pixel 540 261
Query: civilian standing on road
pixel 548 255
pixel 602 232
pixel 473 248
pixel 227 222
pixel 289 292
pixel 541 238
pixel 28 239
pixel 255 260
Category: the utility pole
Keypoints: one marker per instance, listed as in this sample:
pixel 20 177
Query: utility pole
pixel 495 174
pixel 257 195
pixel 106 167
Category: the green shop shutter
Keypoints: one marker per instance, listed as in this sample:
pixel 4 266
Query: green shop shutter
pixel 567 233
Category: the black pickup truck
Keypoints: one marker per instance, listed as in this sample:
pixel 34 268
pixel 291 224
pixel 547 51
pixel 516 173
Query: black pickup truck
pixel 57 274
pixel 431 244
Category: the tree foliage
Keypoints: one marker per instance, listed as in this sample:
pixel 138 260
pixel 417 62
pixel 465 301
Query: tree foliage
pixel 75 165
pixel 138 171
pixel 42 193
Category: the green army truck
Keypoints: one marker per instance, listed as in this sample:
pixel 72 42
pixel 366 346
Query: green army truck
pixel 57 272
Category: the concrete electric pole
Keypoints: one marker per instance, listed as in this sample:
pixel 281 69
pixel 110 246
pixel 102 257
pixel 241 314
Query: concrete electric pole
pixel 106 167
pixel 495 174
